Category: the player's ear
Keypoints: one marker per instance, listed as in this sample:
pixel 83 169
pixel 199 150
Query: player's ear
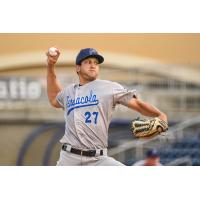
pixel 78 68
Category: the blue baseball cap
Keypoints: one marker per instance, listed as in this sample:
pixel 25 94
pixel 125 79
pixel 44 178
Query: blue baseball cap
pixel 88 53
pixel 152 153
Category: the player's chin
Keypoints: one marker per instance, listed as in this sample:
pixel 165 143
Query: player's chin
pixel 92 76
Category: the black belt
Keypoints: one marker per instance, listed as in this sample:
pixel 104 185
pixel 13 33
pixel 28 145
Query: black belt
pixel 89 153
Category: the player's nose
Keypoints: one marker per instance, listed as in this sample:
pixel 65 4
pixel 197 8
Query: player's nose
pixel 93 65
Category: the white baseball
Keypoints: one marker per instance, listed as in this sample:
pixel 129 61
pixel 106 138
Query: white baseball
pixel 53 51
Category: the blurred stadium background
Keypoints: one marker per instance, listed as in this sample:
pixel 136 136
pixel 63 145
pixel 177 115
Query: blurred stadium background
pixel 164 68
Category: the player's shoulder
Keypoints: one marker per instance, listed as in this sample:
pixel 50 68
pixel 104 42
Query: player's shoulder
pixel 70 87
pixel 109 83
pixel 102 81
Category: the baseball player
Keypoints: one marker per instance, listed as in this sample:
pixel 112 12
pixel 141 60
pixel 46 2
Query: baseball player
pixel 152 159
pixel 88 106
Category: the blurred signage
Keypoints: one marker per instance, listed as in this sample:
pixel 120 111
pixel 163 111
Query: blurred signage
pixel 20 88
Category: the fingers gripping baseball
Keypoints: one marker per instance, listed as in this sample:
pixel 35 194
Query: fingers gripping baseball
pixel 148 128
pixel 52 56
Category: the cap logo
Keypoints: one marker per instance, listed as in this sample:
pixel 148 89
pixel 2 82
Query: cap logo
pixel 92 51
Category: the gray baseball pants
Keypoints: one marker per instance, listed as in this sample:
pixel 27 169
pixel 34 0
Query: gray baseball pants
pixel 71 159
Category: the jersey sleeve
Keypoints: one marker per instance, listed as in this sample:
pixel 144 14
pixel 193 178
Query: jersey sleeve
pixel 122 95
pixel 60 98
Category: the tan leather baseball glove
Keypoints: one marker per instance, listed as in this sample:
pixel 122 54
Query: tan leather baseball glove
pixel 148 128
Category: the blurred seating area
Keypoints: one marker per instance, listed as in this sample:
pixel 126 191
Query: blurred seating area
pixel 187 147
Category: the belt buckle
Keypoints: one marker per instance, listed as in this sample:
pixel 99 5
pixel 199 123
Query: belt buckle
pixel 92 152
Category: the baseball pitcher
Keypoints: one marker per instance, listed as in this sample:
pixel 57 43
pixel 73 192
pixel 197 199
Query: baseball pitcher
pixel 88 106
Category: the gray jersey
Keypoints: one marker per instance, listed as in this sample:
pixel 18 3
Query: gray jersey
pixel 88 111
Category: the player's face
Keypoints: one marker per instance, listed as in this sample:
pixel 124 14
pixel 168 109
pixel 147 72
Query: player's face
pixel 88 70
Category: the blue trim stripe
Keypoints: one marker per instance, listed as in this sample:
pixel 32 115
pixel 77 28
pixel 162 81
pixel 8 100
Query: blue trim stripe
pixel 87 105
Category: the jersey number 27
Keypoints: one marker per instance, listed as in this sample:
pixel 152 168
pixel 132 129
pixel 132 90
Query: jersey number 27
pixel 91 117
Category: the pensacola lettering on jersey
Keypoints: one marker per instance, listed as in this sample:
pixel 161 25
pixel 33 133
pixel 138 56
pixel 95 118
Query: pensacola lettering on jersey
pixel 85 101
